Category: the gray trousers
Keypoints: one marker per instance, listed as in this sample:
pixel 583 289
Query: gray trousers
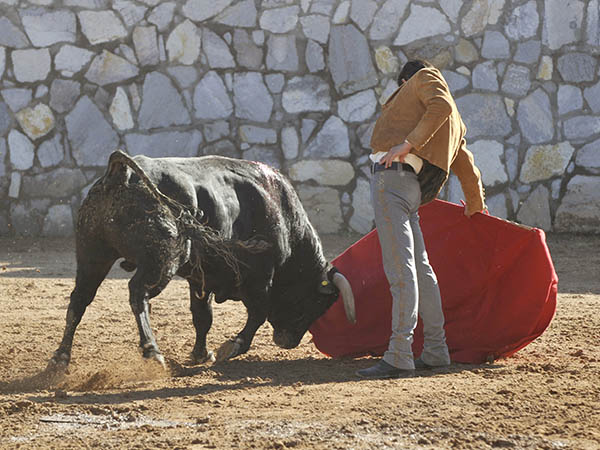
pixel 396 197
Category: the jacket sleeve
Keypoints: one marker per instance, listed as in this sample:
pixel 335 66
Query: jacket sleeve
pixel 433 93
pixel 470 179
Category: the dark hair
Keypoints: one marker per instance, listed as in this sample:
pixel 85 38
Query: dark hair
pixel 410 68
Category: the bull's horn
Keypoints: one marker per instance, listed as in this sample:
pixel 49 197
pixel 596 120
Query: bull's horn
pixel 343 285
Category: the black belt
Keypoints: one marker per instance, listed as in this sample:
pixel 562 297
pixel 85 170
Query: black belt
pixel 376 167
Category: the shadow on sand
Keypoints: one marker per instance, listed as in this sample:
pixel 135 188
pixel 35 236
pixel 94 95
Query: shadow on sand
pixel 231 376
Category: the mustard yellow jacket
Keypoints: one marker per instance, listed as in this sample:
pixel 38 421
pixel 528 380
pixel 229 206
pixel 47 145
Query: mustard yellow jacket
pixel 423 112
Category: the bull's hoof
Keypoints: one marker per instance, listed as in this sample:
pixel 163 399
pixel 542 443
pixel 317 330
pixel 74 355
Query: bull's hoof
pixel 156 356
pixel 160 359
pixel 229 349
pixel 58 363
pixel 206 357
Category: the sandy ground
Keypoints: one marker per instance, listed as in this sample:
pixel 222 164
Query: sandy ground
pixel 546 396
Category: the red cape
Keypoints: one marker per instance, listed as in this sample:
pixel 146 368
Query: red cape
pixel 496 278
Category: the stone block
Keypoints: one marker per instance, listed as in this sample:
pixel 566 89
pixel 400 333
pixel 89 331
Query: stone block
pixel 162 15
pixel 362 13
pixel 484 115
pixel 523 22
pixel 546 161
pixel 361 220
pixel 120 110
pixel 579 210
pixel 279 20
pixel 200 10
pixel 165 144
pixel 323 207
pixel 91 137
pixel 31 65
pixel 64 94
pixel 46 28
pixel 423 22
pixel 257 135
pixel 569 99
pixel 386 61
pixel 485 76
pixel 211 99
pixel 534 115
pixel 495 46
pixel 27 217
pixel 592 97
pixel 282 54
pixel 183 44
pixel 10 35
pixel 71 59
pixel 17 98
pixel 387 19
pixel 581 128
pixel 101 26
pixel 108 68
pixel 21 150
pixel 266 155
pixel 37 121
pixel 289 143
pixel 516 80
pixel 528 52
pixel 58 222
pixel 488 158
pixel 577 67
pixel 131 13
pixel 562 25
pixel 145 41
pixel 347 43
pixel 358 107
pixel 240 15
pixel 535 211
pixel 315 58
pixel 162 105
pixel 58 183
pixel 328 172
pixel 51 152
pixel 251 97
pixel 248 54
pixel 5 119
pixel 216 130
pixel 331 141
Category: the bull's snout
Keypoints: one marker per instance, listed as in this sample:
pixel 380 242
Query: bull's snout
pixel 285 339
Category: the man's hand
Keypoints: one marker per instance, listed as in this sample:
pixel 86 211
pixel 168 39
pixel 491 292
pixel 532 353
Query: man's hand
pixel 470 213
pixel 398 152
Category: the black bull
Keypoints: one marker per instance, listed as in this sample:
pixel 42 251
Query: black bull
pixel 230 227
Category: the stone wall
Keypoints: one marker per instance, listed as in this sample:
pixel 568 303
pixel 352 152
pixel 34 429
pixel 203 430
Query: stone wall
pixel 296 84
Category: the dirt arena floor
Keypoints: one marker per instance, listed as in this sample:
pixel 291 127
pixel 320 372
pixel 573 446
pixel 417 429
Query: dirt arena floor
pixel 547 396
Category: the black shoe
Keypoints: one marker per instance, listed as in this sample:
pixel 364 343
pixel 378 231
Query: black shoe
pixel 381 370
pixel 420 364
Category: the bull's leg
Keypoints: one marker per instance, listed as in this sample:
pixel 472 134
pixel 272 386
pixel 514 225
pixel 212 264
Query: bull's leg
pixel 202 317
pixel 240 345
pixel 90 274
pixel 144 285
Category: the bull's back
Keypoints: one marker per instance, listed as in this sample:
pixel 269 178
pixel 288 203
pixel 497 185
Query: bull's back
pixel 240 198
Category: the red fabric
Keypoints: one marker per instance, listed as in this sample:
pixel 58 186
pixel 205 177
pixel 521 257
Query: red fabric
pixel 496 278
